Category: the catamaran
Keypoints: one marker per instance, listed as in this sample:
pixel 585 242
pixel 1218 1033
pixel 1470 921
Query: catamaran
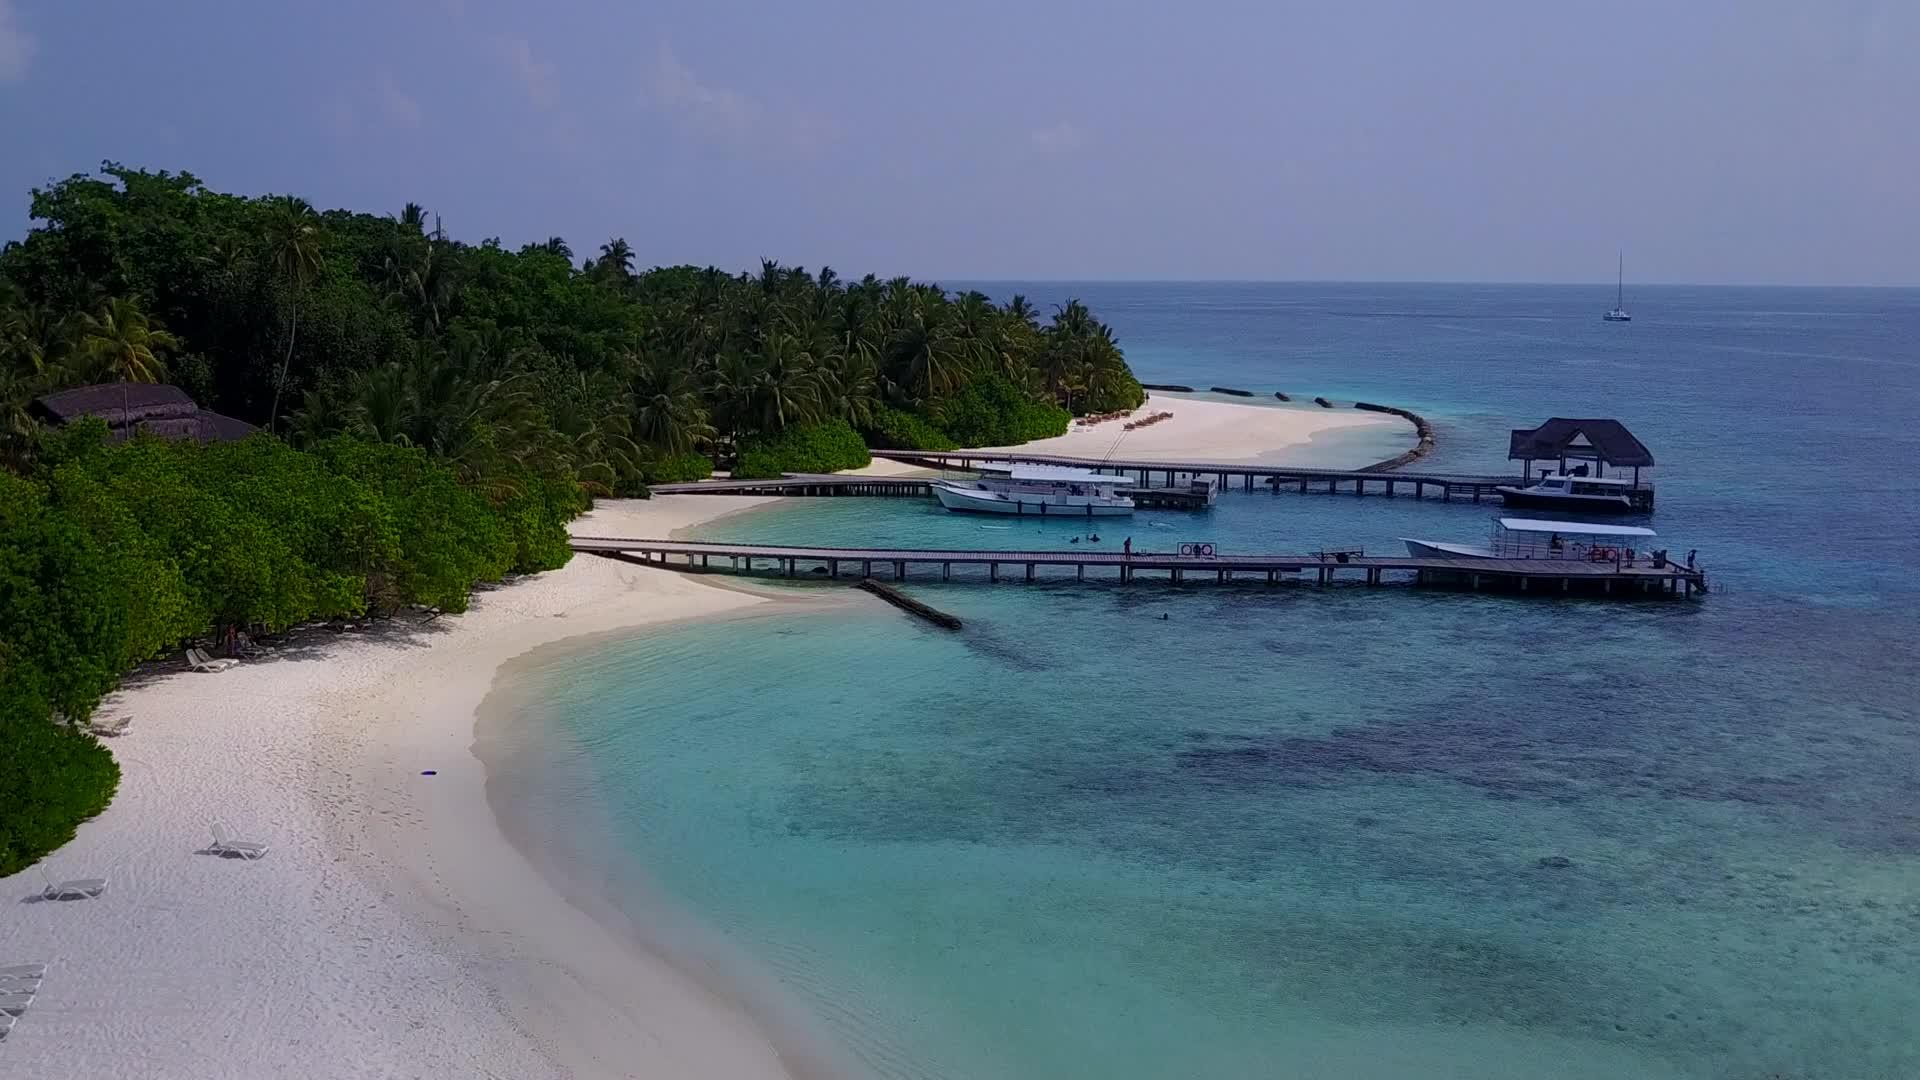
pixel 1043 490
pixel 1533 538
pixel 1619 312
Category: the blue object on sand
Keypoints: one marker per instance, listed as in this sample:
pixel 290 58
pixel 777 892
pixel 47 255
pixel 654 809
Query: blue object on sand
pixel 428 772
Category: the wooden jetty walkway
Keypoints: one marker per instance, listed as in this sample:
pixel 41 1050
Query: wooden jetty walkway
pixel 1524 575
pixel 1249 473
pixel 1190 496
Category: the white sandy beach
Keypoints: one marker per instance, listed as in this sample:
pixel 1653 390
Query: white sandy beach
pixel 393 930
pixel 1204 429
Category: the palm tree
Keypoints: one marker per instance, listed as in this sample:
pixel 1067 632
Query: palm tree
pixel 616 259
pixel 558 246
pixel 293 239
pixel 414 216
pixel 123 345
pixel 667 406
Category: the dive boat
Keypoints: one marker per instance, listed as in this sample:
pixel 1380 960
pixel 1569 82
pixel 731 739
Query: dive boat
pixel 1041 490
pixel 1573 493
pixel 1533 538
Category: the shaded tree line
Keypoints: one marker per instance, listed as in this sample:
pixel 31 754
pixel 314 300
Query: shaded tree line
pixel 314 324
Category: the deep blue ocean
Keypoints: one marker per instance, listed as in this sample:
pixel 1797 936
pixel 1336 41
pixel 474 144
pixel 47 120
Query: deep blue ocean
pixel 1346 832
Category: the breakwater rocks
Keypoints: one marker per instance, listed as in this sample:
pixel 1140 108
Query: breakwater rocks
pixel 1323 403
pixel 1282 395
pixel 1231 390
pixel 1172 388
pixel 1420 426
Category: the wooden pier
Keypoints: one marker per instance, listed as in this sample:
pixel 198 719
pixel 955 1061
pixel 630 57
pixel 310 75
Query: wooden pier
pixel 1197 494
pixel 1248 474
pixel 1549 576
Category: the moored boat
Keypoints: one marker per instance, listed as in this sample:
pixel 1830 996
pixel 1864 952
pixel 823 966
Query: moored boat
pixel 1572 493
pixel 1534 538
pixel 1041 490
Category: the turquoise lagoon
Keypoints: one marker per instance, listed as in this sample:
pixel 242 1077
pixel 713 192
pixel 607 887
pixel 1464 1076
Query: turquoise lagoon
pixel 1343 833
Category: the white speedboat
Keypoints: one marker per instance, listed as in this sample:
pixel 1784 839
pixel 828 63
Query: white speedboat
pixel 1040 490
pixel 1573 494
pixel 1532 538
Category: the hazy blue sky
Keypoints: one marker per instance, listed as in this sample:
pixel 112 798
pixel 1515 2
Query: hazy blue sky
pixel 1716 140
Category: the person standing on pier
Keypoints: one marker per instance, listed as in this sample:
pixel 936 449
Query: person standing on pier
pixel 1126 548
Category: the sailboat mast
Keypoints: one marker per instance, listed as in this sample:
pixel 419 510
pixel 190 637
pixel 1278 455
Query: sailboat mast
pixel 1620 283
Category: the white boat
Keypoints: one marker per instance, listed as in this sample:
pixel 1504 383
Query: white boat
pixel 1533 538
pixel 1573 493
pixel 1619 312
pixel 1039 490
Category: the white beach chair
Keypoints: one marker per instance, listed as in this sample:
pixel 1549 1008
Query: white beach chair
pixel 76 889
pixel 225 845
pixel 198 660
pixel 23 971
pixel 16 1003
pixel 113 725
pixel 6 1026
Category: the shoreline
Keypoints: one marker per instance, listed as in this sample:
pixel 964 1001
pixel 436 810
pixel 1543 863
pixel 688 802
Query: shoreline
pixel 394 928
pixel 405 923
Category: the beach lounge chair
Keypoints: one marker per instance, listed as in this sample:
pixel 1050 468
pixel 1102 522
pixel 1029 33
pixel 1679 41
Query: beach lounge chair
pixel 113 725
pixel 198 660
pixel 16 1003
pixel 23 971
pixel 225 845
pixel 6 1026
pixel 77 889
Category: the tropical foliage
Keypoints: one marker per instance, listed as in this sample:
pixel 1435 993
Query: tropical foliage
pixel 506 364
pixel 433 412
pixel 112 554
pixel 818 448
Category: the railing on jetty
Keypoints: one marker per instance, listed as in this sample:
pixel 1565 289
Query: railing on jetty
pixel 1553 576
pixel 1250 474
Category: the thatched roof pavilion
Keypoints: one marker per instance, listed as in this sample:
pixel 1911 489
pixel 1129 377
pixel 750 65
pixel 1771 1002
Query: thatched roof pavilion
pixel 127 407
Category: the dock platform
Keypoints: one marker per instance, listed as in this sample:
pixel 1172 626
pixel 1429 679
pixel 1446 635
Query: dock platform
pixel 1551 576
pixel 1197 493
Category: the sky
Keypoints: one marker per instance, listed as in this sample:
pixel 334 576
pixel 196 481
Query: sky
pixel 1714 141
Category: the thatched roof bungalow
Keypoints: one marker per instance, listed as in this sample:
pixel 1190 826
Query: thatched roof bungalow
pixel 161 410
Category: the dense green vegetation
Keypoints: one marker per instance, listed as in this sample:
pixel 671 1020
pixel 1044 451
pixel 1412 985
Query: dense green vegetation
pixel 817 448
pixel 113 554
pixel 315 324
pixel 433 412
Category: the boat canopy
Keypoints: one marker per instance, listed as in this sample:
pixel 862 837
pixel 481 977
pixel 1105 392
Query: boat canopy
pixel 1061 474
pixel 1571 528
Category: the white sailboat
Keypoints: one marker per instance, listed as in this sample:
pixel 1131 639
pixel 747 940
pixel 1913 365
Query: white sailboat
pixel 1619 312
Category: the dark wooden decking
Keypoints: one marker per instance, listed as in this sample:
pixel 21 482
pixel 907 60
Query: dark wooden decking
pixel 1249 473
pixel 1526 575
pixel 1179 497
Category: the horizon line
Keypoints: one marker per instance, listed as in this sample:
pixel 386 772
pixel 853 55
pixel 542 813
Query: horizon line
pixel 980 279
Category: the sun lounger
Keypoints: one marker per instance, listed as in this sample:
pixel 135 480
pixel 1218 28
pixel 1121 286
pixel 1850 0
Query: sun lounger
pixel 16 1003
pixel 77 889
pixel 198 660
pixel 110 725
pixel 6 1025
pixel 23 971
pixel 225 845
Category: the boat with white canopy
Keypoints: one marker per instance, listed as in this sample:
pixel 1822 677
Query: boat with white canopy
pixel 1044 490
pixel 1534 538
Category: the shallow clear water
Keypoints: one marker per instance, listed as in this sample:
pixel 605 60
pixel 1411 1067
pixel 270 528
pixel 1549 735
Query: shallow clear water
pixel 1301 831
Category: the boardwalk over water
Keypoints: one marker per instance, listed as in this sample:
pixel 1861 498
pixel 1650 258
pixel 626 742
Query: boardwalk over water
pixel 1249 473
pixel 1525 575
pixel 1153 479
